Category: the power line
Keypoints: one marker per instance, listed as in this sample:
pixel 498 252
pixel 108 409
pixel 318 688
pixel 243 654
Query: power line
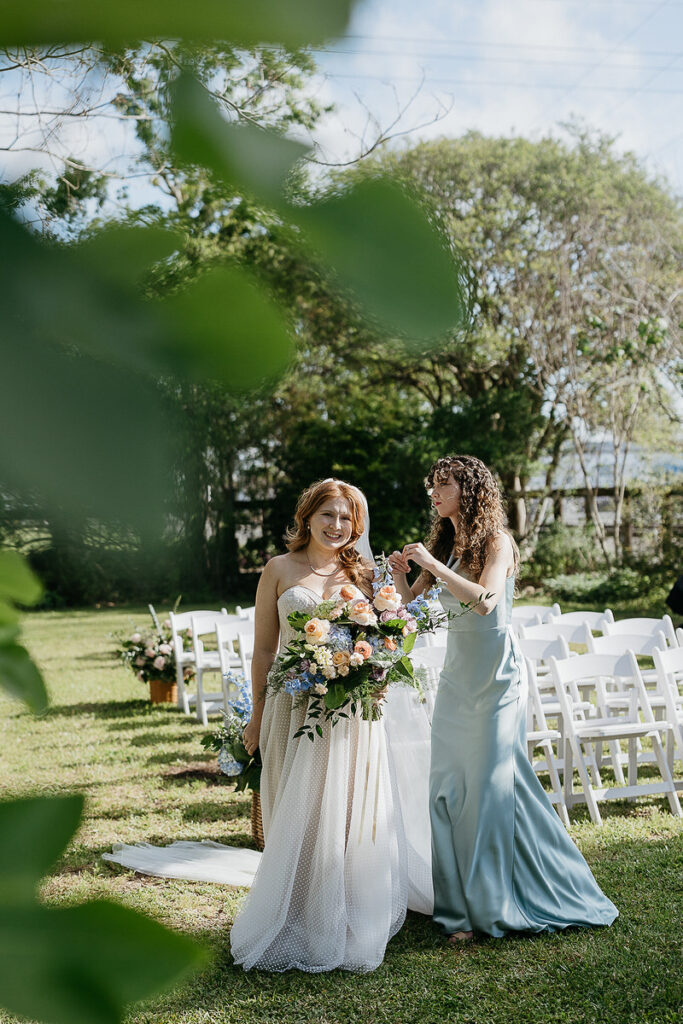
pixel 389 79
pixel 500 60
pixel 510 46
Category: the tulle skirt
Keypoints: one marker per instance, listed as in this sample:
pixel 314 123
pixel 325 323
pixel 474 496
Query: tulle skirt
pixel 346 822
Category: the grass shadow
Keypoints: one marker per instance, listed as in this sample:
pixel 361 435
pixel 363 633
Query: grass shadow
pixel 147 739
pixel 105 709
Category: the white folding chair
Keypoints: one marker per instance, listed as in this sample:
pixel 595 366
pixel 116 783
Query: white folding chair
pixel 227 640
pixel 206 662
pixel 679 636
pixel 593 670
pixel 669 668
pixel 539 735
pixel 246 613
pixel 180 624
pixel 643 627
pixel 594 620
pixel 245 647
pixel 532 614
pixel 573 633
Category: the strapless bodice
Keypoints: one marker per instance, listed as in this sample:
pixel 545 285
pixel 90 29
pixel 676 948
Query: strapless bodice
pixel 294 599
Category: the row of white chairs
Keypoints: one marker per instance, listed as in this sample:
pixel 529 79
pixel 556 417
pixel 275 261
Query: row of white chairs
pixel 219 643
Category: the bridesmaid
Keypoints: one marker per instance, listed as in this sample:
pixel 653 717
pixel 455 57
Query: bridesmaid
pixel 501 858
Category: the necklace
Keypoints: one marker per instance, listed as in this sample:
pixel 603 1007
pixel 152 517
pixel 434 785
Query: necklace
pixel 324 575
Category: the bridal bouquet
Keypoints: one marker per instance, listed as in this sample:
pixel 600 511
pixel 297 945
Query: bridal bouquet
pixel 349 649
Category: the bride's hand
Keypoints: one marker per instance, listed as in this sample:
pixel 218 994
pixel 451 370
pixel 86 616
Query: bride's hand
pixel 398 563
pixel 250 736
pixel 418 553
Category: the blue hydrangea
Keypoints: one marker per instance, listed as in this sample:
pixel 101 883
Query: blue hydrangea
pixel 242 703
pixel 300 684
pixel 227 763
pixel 340 638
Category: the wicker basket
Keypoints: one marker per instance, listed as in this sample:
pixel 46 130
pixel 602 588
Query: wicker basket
pixel 257 821
pixel 163 693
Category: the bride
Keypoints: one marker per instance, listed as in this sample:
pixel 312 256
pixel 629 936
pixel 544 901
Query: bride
pixel 334 884
pixel 346 817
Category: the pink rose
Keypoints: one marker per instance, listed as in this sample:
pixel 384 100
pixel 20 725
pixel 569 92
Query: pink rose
pixel 165 648
pixel 410 627
pixel 159 663
pixel 136 638
pixel 150 652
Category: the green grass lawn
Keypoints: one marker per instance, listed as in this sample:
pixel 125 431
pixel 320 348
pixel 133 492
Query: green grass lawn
pixel 146 777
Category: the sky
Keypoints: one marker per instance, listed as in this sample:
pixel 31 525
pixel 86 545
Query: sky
pixel 448 66
pixel 511 67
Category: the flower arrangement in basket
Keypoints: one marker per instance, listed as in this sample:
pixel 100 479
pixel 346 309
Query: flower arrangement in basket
pixel 233 759
pixel 350 648
pixel 150 655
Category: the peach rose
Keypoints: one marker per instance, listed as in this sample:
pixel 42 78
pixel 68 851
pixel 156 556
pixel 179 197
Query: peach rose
pixel 329 672
pixel 390 644
pixel 348 592
pixel 317 631
pixel 341 658
pixel 363 648
pixel 362 613
pixel 343 670
pixel 387 599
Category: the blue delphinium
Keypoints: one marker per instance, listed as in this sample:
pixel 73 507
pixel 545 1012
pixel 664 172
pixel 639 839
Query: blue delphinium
pixel 242 703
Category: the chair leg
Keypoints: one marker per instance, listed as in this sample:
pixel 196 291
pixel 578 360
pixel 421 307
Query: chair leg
pixel 568 774
pixel 201 705
pixel 560 806
pixel 615 756
pixel 586 783
pixel 671 794
pixel 632 765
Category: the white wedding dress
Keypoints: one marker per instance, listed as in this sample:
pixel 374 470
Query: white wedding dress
pixel 348 841
pixel 348 837
pixel 345 856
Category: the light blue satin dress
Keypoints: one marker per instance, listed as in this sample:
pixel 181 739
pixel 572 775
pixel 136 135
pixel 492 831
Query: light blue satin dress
pixel 501 858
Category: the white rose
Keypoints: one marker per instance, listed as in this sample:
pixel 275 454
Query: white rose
pixel 320 688
pixel 165 648
pixel 356 659
pixel 330 672
pixel 136 638
pixel 343 670
pixel 317 630
pixel 159 662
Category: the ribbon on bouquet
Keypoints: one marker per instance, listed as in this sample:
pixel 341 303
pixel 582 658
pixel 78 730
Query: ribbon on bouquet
pixel 367 786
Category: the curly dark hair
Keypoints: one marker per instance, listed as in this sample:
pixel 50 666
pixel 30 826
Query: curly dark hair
pixel 481 515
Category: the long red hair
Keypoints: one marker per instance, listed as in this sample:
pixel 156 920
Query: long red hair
pixel 297 537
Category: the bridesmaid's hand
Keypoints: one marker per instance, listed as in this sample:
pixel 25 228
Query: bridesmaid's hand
pixel 418 553
pixel 398 562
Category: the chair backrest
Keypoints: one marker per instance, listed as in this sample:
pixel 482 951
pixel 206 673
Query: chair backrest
pixel 182 622
pixel 679 636
pixel 596 670
pixel 537 651
pixel 643 627
pixel 522 613
pixel 594 620
pixel 246 613
pixel 669 663
pixel 622 642
pixel 573 634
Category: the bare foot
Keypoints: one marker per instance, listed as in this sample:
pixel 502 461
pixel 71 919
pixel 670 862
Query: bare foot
pixel 457 937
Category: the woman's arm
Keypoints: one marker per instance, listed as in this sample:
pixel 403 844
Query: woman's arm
pixel 266 636
pixel 499 561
